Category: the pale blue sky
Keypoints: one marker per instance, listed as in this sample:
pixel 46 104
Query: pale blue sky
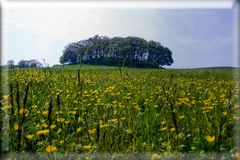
pixel 196 37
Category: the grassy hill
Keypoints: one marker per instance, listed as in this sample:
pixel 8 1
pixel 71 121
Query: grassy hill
pixel 102 109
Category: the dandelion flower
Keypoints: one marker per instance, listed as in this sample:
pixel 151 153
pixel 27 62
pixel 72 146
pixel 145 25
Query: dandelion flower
pixel 44 112
pixel 61 120
pixel 164 129
pixel 72 112
pixel 66 122
pixel 181 117
pixel 104 125
pixel 173 129
pixel 61 141
pixel 23 111
pixel 51 148
pixel 87 147
pixel 44 125
pixel 79 130
pixel 92 131
pixel 34 106
pixel 113 120
pixel 210 139
pixel 224 113
pixel 53 126
pixel 15 126
pixel 163 122
pixel 45 131
pixel 29 137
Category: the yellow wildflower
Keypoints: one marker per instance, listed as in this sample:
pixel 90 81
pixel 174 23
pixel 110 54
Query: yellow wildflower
pixel 222 96
pixel 137 107
pixel 210 139
pixel 79 130
pixel 164 129
pixel 51 148
pixel 104 125
pixel 58 112
pixel 45 131
pixel 92 131
pixel 87 147
pixel 181 117
pixel 44 125
pixel 72 112
pixel 61 141
pixel 193 102
pixel 66 122
pixel 224 113
pixel 61 120
pixel 113 120
pixel 34 106
pixel 53 126
pixel 44 112
pixel 29 137
pixel 76 101
pixel 21 111
pixel 42 120
pixel 127 97
pixel 209 108
pixel 15 126
pixel 173 129
pixel 163 122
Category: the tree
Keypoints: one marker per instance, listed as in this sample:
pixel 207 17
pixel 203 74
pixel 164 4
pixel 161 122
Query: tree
pixel 10 63
pixel 132 51
pixel 29 63
pixel 34 63
pixel 23 64
pixel 68 57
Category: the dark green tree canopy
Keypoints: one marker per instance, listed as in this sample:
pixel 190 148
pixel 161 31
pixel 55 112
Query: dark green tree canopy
pixel 129 51
pixel 30 63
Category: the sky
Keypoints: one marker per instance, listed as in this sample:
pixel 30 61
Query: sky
pixel 196 37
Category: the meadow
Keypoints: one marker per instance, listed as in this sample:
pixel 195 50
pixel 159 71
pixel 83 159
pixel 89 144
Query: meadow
pixel 98 109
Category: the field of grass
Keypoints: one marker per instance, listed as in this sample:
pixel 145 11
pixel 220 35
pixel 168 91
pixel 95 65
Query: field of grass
pixel 101 110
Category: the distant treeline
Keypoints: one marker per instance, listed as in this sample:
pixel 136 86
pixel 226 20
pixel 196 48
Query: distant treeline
pixel 117 51
pixel 32 63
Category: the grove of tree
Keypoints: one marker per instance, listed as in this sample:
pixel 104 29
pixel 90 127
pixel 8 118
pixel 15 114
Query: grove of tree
pixel 10 63
pixel 29 63
pixel 117 51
